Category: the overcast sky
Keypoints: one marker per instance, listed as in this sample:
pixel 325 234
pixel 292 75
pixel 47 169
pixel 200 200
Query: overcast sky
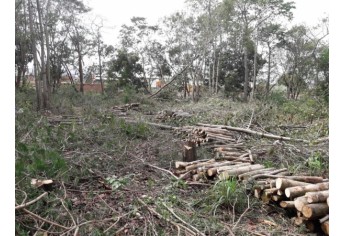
pixel 119 12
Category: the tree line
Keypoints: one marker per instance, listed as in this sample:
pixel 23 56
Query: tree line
pixel 244 47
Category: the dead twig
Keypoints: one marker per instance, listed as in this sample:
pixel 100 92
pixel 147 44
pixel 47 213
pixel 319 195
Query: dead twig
pixel 177 217
pixel 239 219
pixel 45 220
pixel 31 202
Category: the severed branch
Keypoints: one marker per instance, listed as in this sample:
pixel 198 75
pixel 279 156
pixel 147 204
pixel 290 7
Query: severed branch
pixel 177 225
pixel 175 77
pixel 177 217
pixel 31 202
pixel 248 131
pixel 45 220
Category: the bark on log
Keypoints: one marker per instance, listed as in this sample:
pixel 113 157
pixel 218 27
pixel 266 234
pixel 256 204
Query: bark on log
pixel 189 151
pixel 216 164
pixel 214 171
pixel 270 174
pixel 323 219
pixel 248 131
pixel 226 174
pixel 251 173
pixel 196 165
pixel 315 210
pixel 293 192
pixel 196 177
pixel 325 227
pixel 267 194
pixel 300 202
pixel 328 201
pixel 287 204
pixel 315 197
pixel 182 164
pixel 283 183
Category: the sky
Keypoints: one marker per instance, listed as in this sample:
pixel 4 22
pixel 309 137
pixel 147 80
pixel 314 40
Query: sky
pixel 119 12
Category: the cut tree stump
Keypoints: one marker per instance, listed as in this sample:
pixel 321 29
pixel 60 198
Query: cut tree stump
pixel 189 151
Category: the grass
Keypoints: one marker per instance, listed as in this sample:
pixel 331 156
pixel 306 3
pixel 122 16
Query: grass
pixel 98 165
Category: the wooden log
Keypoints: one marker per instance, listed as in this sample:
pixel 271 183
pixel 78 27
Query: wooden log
pixel 189 151
pixel 248 131
pixel 287 204
pixel 277 198
pixel 255 172
pixel 328 201
pixel 315 197
pixel 257 193
pixel 283 183
pixel 270 174
pixel 182 164
pixel 196 165
pixel 214 171
pixel 234 172
pixel 267 194
pixel 315 210
pixel 280 192
pixel 300 202
pixel 306 179
pixel 312 225
pixel 323 219
pixel 325 227
pixel 216 164
pixel 293 192
pixel 197 177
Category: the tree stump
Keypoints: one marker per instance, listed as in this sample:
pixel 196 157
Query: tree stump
pixel 189 151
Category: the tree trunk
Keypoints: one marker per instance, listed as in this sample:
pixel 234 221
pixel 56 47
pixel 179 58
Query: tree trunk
pixel 227 174
pixel 34 50
pixel 268 82
pixel 255 66
pixel 80 63
pixel 100 65
pixel 43 66
pixel 49 91
pixel 246 74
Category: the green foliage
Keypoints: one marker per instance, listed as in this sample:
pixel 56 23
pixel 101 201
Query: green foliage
pixel 227 193
pixel 36 161
pixel 316 163
pixel 136 130
pixel 117 182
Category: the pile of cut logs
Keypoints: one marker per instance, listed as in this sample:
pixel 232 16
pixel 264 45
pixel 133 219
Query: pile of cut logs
pixel 308 195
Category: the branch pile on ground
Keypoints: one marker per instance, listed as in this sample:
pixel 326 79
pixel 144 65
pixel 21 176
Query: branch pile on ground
pixel 172 115
pixel 306 195
pixel 64 120
pixel 122 110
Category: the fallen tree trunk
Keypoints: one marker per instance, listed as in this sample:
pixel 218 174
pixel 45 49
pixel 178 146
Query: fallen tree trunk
pixel 255 172
pixel 293 192
pixel 315 210
pixel 314 197
pixel 283 183
pixel 182 164
pixel 248 131
pixel 214 171
pixel 226 174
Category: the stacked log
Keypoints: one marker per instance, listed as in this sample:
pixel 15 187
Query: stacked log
pixel 122 110
pixel 306 194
